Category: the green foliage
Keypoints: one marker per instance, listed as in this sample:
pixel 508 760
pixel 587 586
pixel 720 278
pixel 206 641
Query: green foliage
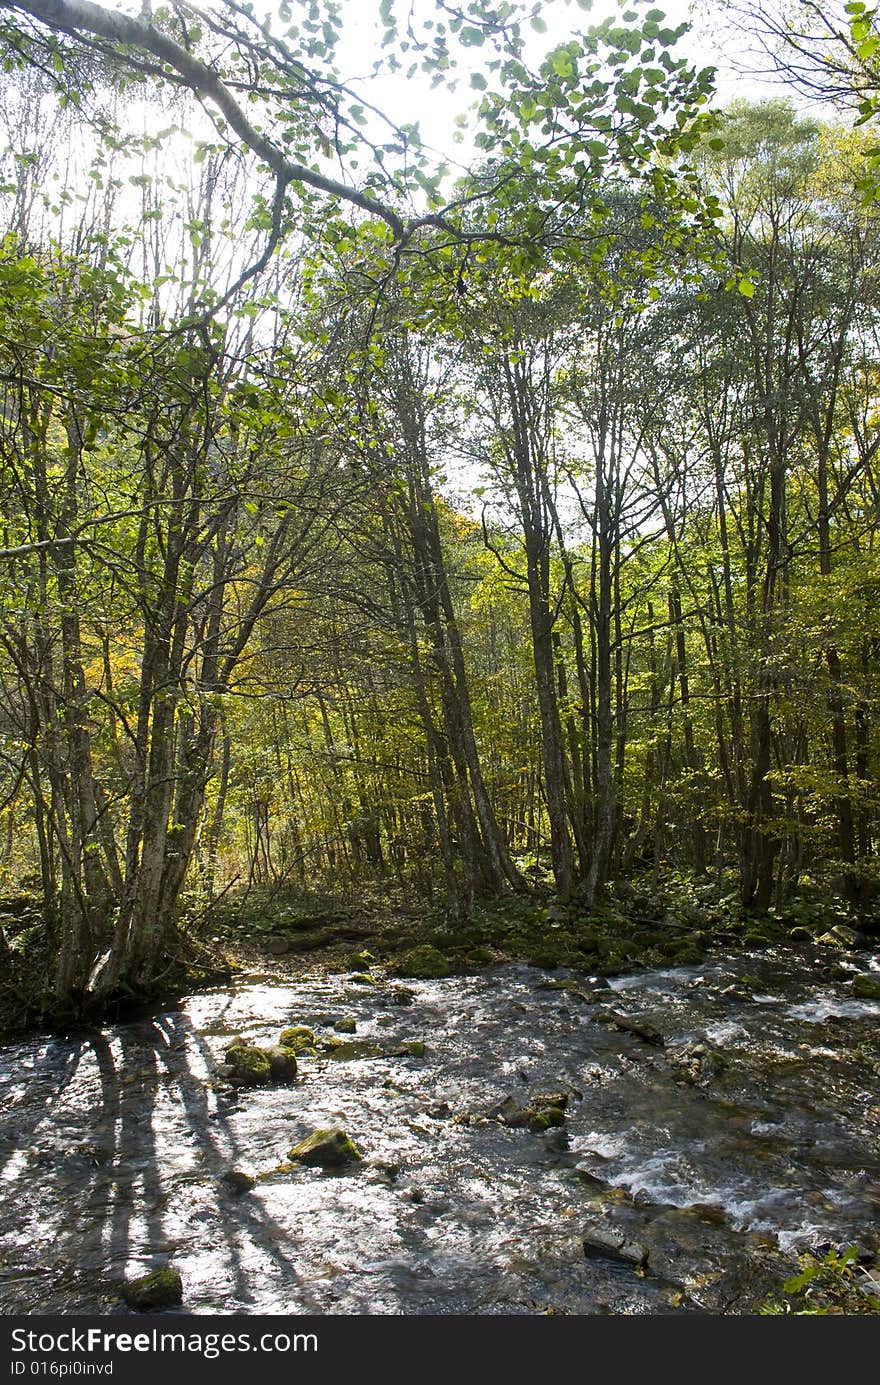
pixel 828 1284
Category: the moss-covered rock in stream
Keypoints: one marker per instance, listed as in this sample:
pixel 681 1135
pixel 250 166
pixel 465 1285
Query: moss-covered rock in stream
pixel 866 986
pixel 346 1025
pixel 237 1181
pixel 545 1111
pixel 282 1063
pixel 426 963
pixel 298 1038
pixel 346 1049
pixel 160 1288
pixel 248 1065
pixel 327 1149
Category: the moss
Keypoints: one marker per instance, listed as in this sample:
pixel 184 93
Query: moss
pixel 867 987
pixel 159 1289
pixel 546 1119
pixel 547 958
pixel 282 1063
pixel 362 978
pixel 236 1182
pixel 344 1050
pixel 688 954
pixel 412 1048
pixel 478 957
pixel 345 1026
pixel 298 1037
pixel 425 962
pixel 250 1065
pixel 326 1148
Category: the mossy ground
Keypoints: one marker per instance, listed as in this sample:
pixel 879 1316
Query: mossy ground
pixel 646 921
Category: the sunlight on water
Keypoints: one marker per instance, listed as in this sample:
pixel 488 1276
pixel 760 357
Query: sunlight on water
pixel 116 1143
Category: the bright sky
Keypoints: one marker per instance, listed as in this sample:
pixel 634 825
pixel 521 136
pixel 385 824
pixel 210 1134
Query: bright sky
pixel 435 110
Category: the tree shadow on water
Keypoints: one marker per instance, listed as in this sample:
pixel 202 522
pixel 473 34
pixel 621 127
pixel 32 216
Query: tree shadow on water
pixel 112 1151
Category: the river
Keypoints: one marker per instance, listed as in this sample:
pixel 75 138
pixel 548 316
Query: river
pixel 752 1133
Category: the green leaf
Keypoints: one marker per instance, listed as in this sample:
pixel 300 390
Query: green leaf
pixel 746 288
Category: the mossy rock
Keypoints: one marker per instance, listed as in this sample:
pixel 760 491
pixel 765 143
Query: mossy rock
pixel 543 1112
pixel 345 1026
pixel 159 1289
pixel 282 1063
pixel 411 1048
pixel 348 1049
pixel 867 987
pixel 478 957
pixel 547 958
pixel 327 1149
pixel 298 1037
pixel 250 1065
pixel 687 954
pixel 236 1182
pixel 546 1119
pixel 401 995
pixel 426 963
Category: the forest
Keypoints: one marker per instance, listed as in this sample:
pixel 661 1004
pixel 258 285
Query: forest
pixel 433 565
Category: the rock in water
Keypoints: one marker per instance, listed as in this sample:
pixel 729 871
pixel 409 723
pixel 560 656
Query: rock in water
pixel 236 1182
pixel 867 987
pixel 282 1063
pixel 425 962
pixel 327 1148
pixel 159 1289
pixel 250 1065
pixel 640 1029
pixel 297 1037
pixel 543 1112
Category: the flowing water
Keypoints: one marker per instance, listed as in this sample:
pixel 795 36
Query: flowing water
pixel 115 1143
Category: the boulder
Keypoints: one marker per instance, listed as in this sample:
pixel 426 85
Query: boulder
pixel 160 1288
pixel 282 1063
pixel 346 1025
pixel 425 962
pixel 326 1148
pixel 298 1037
pixel 236 1182
pixel 249 1065
pixel 543 1112
pixel 840 936
pixel 401 995
pixel 639 1028
pixel 350 1049
pixel 867 986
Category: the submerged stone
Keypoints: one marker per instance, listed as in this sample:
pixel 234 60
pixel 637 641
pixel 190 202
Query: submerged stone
pixel 326 1148
pixel 160 1288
